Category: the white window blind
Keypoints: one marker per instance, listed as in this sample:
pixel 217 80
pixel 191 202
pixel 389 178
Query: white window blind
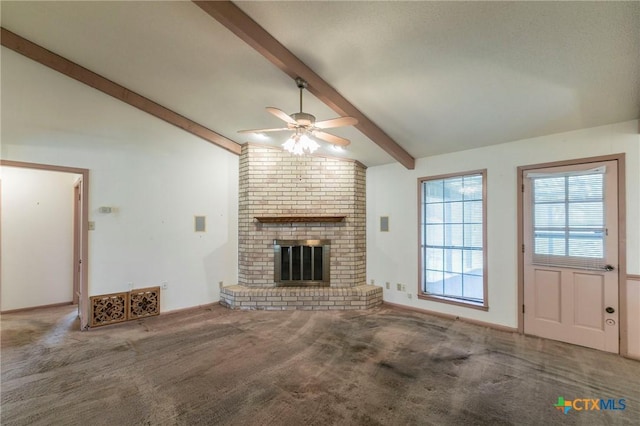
pixel 568 218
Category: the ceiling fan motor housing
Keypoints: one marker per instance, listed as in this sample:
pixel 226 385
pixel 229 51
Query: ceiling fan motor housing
pixel 303 119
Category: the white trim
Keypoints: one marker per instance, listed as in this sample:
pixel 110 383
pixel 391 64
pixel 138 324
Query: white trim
pixel 596 171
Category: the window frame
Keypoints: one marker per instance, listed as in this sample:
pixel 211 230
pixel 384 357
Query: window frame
pixel 484 306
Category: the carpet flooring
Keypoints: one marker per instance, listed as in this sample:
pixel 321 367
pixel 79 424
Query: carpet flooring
pixel 385 366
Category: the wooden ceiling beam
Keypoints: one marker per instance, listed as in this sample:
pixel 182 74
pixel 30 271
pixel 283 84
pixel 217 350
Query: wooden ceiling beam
pixel 71 69
pixel 238 22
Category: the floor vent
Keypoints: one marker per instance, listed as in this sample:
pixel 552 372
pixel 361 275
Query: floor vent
pixel 119 307
pixel 144 302
pixel 109 309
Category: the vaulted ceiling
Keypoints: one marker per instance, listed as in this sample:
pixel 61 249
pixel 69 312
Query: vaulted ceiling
pixel 435 77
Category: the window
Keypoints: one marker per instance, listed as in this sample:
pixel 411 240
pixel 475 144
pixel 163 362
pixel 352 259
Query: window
pixel 568 218
pixel 452 239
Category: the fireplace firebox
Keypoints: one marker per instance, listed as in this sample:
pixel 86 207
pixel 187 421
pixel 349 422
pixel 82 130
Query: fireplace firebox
pixel 301 262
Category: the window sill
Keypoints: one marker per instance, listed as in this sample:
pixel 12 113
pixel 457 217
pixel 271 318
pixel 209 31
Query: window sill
pixel 449 301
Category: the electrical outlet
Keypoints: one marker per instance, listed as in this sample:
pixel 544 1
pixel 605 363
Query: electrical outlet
pixel 165 285
pixel 409 296
pixel 404 287
pixel 130 286
pixel 388 285
pixel 399 286
pixel 221 284
pixel 373 282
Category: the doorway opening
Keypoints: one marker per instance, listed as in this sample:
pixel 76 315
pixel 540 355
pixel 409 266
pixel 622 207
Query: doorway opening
pixel 77 273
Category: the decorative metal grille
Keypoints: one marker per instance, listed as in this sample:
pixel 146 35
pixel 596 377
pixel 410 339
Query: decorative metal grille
pixel 144 302
pixel 109 309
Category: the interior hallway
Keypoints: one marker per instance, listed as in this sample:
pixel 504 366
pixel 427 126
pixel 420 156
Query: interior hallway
pixel 384 366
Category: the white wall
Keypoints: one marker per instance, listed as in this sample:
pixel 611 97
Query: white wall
pixel 37 237
pixel 155 176
pixel 392 190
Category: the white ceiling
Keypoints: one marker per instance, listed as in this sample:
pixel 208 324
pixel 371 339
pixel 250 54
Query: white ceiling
pixel 437 77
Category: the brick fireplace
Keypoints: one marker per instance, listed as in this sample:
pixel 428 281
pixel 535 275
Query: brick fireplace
pixel 300 198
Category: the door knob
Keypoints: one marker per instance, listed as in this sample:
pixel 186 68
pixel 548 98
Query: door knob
pixel 610 310
pixel 608 268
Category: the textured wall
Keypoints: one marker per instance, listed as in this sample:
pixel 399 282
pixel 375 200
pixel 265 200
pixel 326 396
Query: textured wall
pixel 276 183
pixel 156 177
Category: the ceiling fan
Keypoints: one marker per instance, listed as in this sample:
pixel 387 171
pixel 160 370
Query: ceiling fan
pixel 304 125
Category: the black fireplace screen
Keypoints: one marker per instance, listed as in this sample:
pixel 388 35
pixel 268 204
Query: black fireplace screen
pixel 299 262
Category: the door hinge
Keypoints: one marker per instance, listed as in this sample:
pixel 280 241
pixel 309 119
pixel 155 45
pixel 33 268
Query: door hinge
pixel 523 308
pixel 523 187
pixel 523 248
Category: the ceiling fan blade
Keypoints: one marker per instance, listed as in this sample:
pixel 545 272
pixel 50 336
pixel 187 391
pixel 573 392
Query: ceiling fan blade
pixel 263 130
pixel 332 139
pixel 281 115
pixel 336 122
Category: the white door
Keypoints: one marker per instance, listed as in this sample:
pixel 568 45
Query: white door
pixel 571 254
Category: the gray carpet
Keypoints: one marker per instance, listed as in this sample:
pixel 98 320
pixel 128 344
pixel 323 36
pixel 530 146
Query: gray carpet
pixel 385 366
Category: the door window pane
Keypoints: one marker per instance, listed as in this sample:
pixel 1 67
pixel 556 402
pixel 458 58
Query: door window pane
pixel 550 215
pixel 549 189
pixel 587 187
pixel 586 215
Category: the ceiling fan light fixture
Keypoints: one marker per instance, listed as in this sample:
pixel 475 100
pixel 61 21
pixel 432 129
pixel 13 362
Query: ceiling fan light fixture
pixel 305 125
pixel 300 144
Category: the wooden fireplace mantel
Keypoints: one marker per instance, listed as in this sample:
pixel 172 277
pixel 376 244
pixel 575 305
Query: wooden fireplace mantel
pixel 299 219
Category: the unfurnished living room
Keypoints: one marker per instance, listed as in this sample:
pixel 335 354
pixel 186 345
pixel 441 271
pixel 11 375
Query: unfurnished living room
pixel 319 212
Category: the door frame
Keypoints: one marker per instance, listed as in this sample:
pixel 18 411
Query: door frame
pixel 622 233
pixel 78 213
pixel 83 300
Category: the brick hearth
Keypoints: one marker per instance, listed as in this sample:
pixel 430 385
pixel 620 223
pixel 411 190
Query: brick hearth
pixel 304 298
